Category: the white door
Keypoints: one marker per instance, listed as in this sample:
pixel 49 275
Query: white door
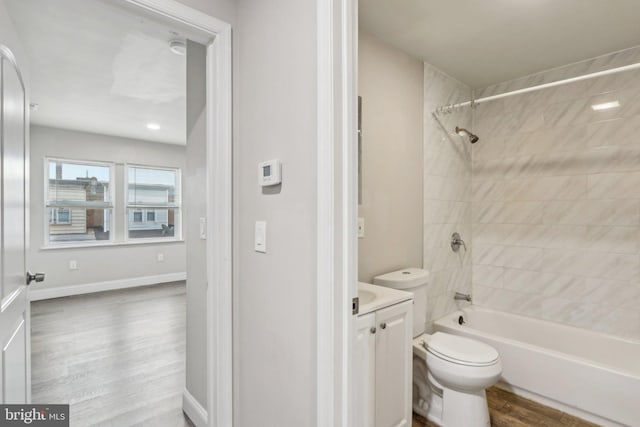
pixel 393 365
pixel 14 313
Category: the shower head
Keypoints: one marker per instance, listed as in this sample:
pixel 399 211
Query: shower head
pixel 472 138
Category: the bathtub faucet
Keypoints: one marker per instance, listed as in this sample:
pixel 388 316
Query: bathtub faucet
pixel 463 297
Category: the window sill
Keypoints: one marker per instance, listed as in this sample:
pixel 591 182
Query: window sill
pixel 109 244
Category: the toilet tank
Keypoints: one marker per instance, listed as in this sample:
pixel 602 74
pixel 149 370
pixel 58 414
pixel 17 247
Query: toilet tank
pixel 412 280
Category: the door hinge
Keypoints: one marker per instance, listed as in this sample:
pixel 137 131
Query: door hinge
pixel 355 306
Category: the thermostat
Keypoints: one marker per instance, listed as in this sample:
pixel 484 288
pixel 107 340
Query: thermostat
pixel 269 173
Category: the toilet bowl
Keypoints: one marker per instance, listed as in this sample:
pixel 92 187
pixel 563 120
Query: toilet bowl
pixel 458 372
pixel 450 372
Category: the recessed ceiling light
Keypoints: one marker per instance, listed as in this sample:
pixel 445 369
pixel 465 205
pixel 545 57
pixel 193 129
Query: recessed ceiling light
pixel 605 106
pixel 178 47
pixel 153 126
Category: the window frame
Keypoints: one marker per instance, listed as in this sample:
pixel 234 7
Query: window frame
pixel 48 243
pixel 177 230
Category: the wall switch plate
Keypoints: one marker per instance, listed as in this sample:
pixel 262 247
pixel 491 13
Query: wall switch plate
pixel 203 228
pixel 160 257
pixel 260 241
pixel 73 264
pixel 360 228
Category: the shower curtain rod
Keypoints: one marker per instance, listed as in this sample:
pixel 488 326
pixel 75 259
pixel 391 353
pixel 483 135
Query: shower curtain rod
pixel 448 108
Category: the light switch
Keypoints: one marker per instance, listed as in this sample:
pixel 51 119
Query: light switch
pixel 360 228
pixel 260 242
pixel 203 228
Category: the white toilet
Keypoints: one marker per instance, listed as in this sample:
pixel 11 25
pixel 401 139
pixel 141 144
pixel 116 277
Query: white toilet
pixel 450 372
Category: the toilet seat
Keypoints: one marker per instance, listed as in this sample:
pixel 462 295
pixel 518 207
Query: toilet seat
pixel 460 350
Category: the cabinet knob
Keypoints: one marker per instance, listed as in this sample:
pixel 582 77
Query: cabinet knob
pixel 383 325
pixel 372 330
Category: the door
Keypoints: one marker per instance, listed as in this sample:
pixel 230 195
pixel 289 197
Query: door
pixel 364 353
pixel 14 312
pixel 393 365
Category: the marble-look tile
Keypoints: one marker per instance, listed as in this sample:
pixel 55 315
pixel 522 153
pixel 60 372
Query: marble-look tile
pixel 522 212
pixel 614 159
pixel 593 212
pixel 488 276
pixel 488 190
pixel 447 193
pixel 546 188
pixel 556 203
pixel 617 132
pixel 613 239
pixel 610 293
pixel 614 185
pixel 613 82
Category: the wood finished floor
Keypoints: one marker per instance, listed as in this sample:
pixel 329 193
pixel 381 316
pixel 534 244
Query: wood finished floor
pixel 117 358
pixel 508 410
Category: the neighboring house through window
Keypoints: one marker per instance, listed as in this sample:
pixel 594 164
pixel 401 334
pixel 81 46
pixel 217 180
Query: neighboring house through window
pixel 78 201
pixel 153 202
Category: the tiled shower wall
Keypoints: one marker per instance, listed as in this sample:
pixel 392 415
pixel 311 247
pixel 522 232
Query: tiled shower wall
pixel 556 199
pixel 447 194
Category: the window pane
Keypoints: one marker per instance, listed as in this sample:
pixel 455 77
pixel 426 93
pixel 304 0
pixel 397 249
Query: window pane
pixel 78 184
pixel 152 187
pixel 152 223
pixel 79 224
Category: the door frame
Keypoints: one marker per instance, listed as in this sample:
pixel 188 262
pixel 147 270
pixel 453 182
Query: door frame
pixel 219 199
pixel 337 210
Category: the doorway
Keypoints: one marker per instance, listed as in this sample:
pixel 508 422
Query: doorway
pixel 145 215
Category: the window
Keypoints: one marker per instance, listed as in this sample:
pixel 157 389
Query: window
pixel 60 216
pixel 78 201
pixel 153 203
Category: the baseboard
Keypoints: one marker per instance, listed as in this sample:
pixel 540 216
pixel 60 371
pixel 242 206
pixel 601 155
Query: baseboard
pixel 65 291
pixel 194 410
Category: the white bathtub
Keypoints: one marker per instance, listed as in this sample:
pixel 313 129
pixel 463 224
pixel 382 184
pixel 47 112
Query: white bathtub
pixel 588 374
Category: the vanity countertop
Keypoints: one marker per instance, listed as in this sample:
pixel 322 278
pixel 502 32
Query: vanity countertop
pixel 374 297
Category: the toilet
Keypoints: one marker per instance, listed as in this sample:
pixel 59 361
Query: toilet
pixel 450 372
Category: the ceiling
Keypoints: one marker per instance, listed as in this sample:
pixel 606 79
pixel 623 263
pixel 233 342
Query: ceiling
pixel 490 41
pixel 96 67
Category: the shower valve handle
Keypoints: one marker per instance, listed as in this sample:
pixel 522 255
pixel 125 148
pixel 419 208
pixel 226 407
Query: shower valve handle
pixel 456 242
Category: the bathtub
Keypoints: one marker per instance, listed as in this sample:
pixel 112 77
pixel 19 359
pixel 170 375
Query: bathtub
pixel 587 374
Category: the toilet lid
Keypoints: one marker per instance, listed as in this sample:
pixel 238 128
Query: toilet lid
pixel 461 350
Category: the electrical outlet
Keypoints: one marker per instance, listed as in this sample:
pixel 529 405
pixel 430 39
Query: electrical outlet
pixel 73 264
pixel 160 257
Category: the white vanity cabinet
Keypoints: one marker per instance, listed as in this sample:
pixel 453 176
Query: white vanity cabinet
pixel 383 363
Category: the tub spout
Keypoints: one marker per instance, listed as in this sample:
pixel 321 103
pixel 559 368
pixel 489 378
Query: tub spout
pixel 463 297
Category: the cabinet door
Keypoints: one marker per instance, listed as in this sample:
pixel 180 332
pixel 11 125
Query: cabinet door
pixel 364 387
pixel 393 365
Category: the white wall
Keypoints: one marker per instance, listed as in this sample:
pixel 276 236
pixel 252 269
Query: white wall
pixel 98 264
pixel 274 300
pixel 391 86
pixel 556 211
